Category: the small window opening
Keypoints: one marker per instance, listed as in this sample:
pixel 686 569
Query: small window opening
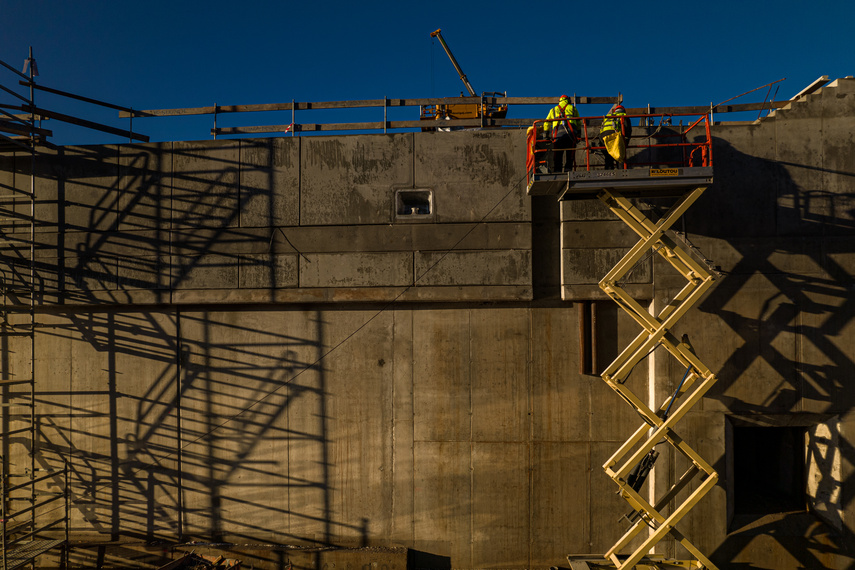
pixel 414 203
pixel 769 470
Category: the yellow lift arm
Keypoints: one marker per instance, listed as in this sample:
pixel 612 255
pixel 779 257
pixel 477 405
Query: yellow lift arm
pixel 631 463
pixel 637 454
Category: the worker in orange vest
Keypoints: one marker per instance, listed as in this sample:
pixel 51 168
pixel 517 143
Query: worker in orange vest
pixel 564 134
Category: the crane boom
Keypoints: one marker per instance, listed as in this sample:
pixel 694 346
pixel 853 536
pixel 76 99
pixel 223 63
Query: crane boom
pixel 456 65
pixel 484 107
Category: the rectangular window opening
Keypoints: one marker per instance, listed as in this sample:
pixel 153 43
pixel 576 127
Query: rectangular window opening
pixel 414 203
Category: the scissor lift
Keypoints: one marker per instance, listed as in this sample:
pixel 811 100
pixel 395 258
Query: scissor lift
pixel 630 464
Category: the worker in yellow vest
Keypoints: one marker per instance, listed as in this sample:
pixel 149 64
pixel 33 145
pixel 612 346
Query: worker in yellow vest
pixel 614 136
pixel 564 134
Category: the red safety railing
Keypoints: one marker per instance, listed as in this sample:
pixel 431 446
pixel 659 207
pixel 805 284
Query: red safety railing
pixel 655 142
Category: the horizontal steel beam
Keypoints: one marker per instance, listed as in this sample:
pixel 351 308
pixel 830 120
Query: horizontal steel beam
pixel 15 142
pixel 318 127
pixel 73 96
pixel 22 129
pixel 86 124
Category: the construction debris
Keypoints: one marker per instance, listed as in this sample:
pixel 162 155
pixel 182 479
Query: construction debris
pixel 196 562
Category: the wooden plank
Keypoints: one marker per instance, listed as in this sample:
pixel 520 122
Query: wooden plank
pixel 168 112
pixel 297 106
pixel 23 119
pixel 415 124
pixel 221 109
pixel 701 110
pixel 340 104
pixel 390 125
pixel 317 127
pixel 593 121
pixel 305 106
pixel 580 100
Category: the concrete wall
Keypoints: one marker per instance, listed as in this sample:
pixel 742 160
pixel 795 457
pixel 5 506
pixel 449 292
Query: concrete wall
pixel 244 341
pixel 279 220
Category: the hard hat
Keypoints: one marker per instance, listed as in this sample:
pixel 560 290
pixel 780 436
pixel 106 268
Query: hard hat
pixel 564 98
pixel 619 108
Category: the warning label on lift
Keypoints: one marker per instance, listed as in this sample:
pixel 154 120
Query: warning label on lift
pixel 664 172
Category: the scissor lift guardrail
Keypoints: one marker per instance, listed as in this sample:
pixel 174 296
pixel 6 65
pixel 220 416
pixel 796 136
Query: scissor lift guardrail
pixel 664 159
pixel 629 465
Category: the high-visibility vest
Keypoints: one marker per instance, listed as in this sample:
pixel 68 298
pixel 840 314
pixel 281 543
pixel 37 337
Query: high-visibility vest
pixel 616 122
pixel 566 113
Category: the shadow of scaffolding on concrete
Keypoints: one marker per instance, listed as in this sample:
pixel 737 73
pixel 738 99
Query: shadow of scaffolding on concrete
pixel 184 424
pixel 782 319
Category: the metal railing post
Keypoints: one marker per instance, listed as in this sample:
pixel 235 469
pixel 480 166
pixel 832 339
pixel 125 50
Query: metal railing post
pixel 3 511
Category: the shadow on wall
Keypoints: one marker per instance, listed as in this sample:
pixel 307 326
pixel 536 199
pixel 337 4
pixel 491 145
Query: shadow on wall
pixel 785 308
pixel 175 425
pixel 112 221
pixel 208 438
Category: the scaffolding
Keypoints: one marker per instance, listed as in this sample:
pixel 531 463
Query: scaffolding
pixel 662 165
pixel 33 498
pixel 34 495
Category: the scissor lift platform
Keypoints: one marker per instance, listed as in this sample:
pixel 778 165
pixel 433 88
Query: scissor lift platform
pixel 646 182
pixel 650 520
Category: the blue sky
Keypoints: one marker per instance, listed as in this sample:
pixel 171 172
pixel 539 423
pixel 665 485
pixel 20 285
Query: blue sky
pixel 159 54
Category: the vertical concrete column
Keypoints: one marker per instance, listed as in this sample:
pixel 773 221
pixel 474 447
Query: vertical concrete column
pixel 659 370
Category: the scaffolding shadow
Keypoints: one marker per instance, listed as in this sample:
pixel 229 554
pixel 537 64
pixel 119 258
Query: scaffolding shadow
pixel 781 316
pixel 177 424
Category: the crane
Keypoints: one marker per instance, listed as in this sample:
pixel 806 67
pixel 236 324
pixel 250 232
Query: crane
pixel 438 35
pixel 477 110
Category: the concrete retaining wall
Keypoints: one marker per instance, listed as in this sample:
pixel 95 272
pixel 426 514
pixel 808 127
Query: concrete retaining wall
pixel 217 358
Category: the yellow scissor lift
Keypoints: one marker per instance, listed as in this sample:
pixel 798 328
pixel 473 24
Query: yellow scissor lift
pixel 629 465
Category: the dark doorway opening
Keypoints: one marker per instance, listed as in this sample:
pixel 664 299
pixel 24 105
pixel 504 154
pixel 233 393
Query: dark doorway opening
pixel 769 470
